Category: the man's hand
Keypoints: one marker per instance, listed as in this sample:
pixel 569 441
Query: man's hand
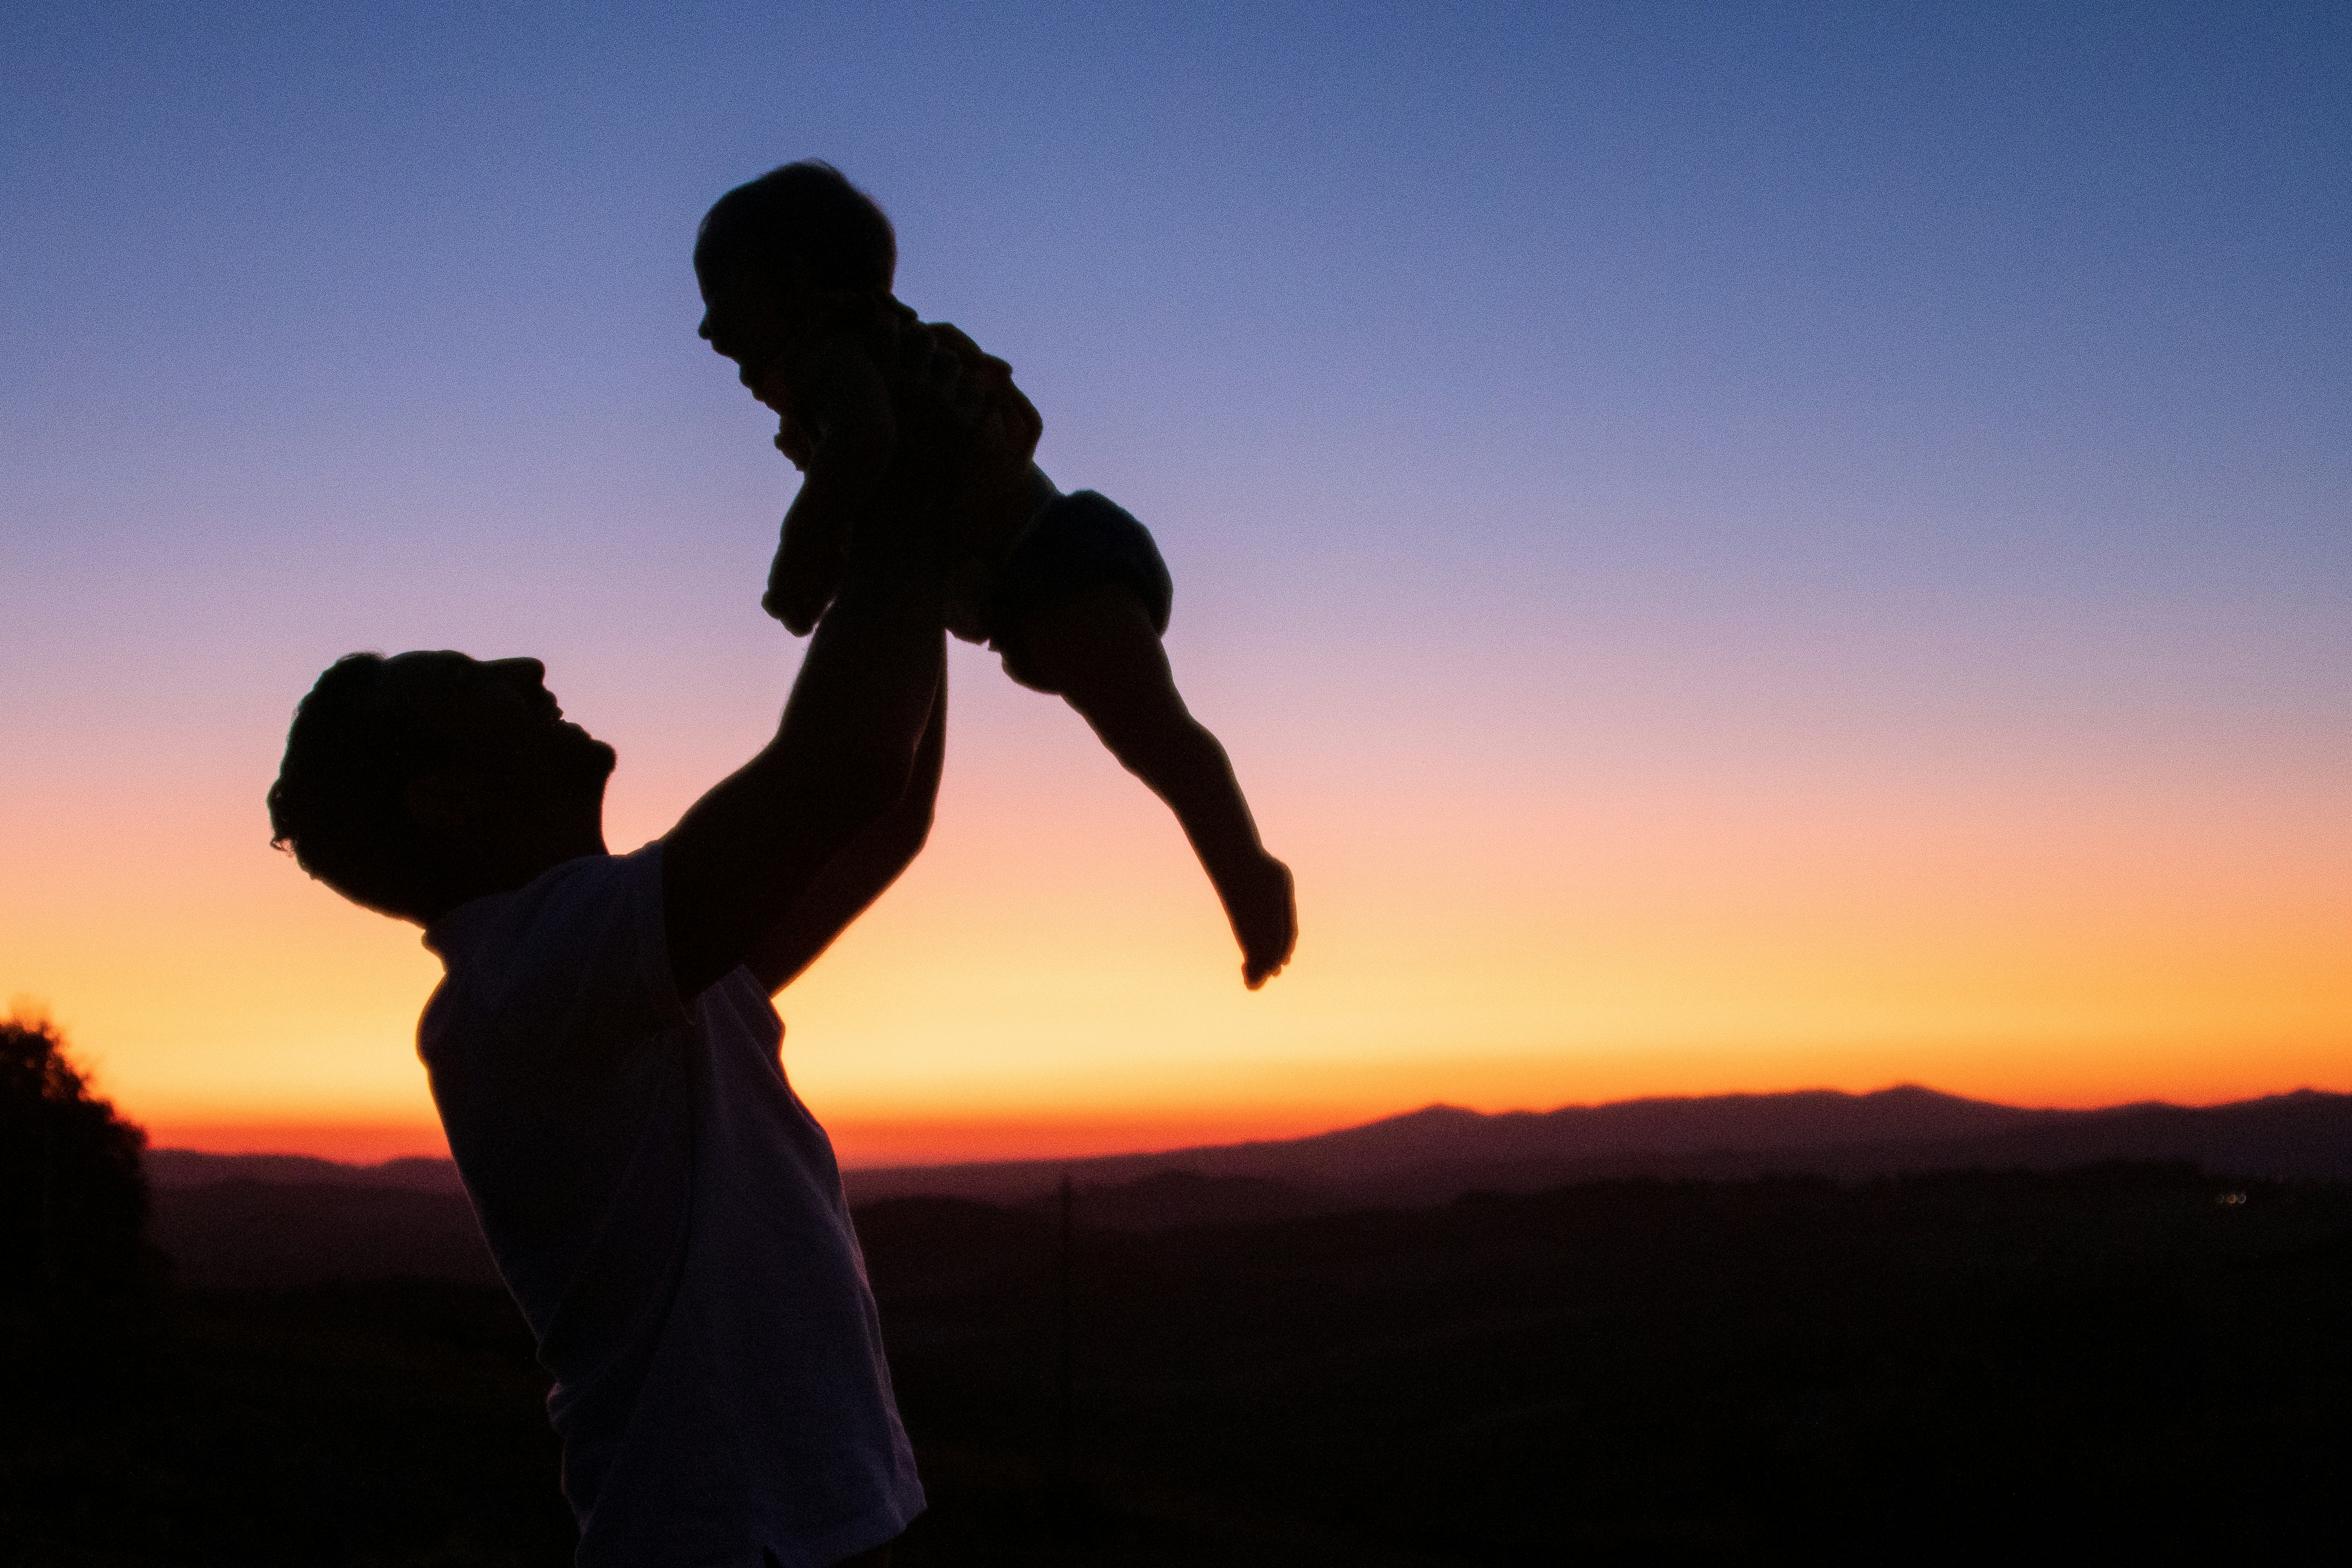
pixel 837 427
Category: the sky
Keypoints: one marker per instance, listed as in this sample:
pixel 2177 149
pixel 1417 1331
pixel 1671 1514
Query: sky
pixel 1733 548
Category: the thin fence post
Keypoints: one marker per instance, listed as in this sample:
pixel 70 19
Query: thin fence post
pixel 1069 1333
pixel 48 1210
pixel 1065 1491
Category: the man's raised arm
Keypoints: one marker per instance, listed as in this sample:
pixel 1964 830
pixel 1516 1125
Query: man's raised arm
pixel 860 874
pixel 840 761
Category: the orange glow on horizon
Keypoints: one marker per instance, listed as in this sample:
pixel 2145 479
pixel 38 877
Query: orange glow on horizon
pixel 1054 977
pixel 870 1137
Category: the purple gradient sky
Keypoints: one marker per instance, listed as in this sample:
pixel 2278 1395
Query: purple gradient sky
pixel 1534 395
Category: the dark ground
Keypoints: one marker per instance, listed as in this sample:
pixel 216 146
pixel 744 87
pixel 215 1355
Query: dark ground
pixel 2115 1360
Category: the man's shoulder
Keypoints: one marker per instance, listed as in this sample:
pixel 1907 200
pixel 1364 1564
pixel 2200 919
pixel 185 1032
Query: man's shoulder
pixel 561 897
pixel 589 927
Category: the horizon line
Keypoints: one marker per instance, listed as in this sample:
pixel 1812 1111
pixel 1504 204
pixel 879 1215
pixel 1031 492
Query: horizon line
pixel 397 1132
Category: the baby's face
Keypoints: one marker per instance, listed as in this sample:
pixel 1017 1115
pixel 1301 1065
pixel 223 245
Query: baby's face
pixel 743 317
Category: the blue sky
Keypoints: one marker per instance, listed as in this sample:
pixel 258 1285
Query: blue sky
pixel 1780 263
pixel 1518 392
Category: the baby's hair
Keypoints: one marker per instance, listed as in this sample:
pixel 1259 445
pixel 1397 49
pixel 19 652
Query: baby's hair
pixel 806 214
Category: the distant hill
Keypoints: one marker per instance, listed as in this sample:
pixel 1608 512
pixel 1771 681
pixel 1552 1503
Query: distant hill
pixel 2128 1362
pixel 250 1234
pixel 194 1168
pixel 285 1219
pixel 1435 1154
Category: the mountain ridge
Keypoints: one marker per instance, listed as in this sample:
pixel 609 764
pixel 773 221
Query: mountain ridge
pixel 174 1168
pixel 2304 1133
pixel 1437 1150
pixel 278 1221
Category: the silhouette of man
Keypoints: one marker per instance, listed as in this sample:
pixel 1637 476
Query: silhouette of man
pixel 606 1060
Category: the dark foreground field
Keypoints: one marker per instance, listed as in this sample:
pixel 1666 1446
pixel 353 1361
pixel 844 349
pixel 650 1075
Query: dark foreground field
pixel 1930 1368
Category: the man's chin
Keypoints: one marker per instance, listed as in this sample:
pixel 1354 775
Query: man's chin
pixel 587 761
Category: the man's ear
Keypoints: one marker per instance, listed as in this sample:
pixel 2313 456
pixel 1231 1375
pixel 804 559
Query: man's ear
pixel 445 800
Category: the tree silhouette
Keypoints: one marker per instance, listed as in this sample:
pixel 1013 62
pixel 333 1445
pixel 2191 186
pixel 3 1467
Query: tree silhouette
pixel 73 1194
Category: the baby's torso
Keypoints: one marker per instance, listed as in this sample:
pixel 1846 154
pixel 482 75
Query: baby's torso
pixel 966 436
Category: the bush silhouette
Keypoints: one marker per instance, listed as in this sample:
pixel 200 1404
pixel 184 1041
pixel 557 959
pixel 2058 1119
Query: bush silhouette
pixel 73 1195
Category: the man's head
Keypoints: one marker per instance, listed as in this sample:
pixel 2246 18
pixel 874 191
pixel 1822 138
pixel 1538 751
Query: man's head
pixel 415 783
pixel 763 245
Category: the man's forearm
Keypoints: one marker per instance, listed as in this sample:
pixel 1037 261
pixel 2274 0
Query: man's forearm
pixel 860 873
pixel 866 691
pixel 753 846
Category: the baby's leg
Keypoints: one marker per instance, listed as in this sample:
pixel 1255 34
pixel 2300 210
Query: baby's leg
pixel 1097 649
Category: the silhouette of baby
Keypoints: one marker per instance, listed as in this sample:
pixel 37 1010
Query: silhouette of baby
pixel 796 270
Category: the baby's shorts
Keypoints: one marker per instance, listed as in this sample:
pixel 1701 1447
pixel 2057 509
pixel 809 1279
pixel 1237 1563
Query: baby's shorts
pixel 1078 540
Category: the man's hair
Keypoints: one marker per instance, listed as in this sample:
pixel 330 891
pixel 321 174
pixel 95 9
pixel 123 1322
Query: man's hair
pixel 338 800
pixel 805 214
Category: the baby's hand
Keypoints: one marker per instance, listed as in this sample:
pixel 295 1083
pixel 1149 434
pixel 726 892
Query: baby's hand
pixel 793 442
pixel 801 579
pixel 768 384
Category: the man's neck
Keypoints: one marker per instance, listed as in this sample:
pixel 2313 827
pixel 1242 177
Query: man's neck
pixel 514 865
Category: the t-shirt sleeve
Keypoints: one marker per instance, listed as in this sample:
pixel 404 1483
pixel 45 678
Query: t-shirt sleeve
pixel 570 975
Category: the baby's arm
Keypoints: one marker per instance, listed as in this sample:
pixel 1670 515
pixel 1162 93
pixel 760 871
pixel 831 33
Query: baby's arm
pixel 842 410
pixel 1097 648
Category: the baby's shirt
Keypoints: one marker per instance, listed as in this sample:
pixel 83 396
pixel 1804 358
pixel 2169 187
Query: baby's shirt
pixel 974 433
pixel 967 440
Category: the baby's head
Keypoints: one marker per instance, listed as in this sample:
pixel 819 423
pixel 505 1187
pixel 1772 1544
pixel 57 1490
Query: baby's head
pixel 800 226
pixel 766 250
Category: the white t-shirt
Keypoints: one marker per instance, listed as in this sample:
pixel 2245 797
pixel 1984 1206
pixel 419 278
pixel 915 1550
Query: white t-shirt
pixel 670 1218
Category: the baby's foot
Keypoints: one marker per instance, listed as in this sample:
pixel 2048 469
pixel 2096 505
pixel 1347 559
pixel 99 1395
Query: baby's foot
pixel 1265 915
